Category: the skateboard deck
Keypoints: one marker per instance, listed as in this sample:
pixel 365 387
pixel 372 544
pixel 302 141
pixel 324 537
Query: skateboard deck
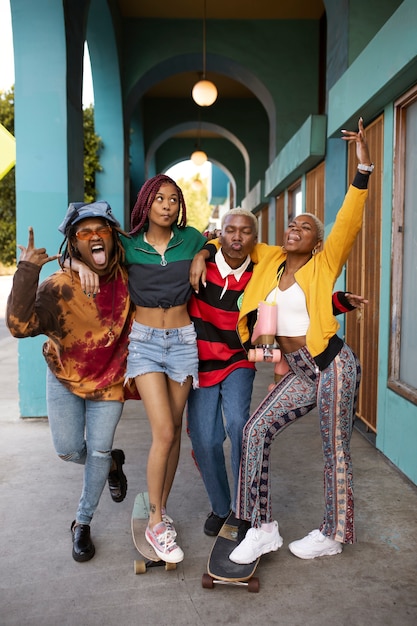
pixel 139 522
pixel 220 569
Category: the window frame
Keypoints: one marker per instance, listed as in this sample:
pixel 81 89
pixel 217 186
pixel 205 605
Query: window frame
pixel 397 255
pixel 293 190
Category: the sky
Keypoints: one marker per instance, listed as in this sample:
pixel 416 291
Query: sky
pixel 7 62
pixel 186 169
pixel 6 47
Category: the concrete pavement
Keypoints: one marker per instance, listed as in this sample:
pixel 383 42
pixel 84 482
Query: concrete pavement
pixel 373 583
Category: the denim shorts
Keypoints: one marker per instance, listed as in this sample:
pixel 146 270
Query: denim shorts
pixel 172 351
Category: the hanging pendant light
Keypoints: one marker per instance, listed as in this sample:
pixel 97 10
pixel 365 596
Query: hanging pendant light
pixel 204 92
pixel 198 157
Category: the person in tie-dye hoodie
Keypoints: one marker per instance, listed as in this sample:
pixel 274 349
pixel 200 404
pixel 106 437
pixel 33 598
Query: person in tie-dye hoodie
pixel 85 350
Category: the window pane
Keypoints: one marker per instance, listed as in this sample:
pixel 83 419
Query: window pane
pixel 408 370
pixel 298 201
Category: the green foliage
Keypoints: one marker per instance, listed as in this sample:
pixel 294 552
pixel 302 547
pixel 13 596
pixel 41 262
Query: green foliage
pixel 198 208
pixel 7 242
pixel 7 109
pixel 7 189
pixel 92 147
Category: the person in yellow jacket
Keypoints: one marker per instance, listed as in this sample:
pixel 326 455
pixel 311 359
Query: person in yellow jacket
pixel 323 372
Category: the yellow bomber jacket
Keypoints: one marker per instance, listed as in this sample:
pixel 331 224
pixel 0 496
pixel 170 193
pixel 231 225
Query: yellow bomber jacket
pixel 316 278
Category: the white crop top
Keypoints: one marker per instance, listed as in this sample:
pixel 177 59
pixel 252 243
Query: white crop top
pixel 293 319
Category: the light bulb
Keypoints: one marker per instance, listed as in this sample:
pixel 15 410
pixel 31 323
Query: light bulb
pixel 204 93
pixel 198 157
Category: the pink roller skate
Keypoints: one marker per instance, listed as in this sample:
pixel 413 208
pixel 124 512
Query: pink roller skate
pixel 263 336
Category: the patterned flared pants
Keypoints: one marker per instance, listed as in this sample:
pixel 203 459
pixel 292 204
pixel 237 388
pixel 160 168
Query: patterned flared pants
pixel 334 391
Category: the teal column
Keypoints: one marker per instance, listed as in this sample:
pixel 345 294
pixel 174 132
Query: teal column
pixel 136 151
pixel 41 157
pixel 108 110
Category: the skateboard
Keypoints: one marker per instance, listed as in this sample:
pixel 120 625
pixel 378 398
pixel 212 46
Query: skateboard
pixel 263 338
pixel 140 515
pixel 220 569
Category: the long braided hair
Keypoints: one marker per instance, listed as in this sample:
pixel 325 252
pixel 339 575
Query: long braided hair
pixel 145 198
pixel 69 250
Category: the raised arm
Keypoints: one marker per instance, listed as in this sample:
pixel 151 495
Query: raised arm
pixel 362 150
pixel 23 317
pixel 38 256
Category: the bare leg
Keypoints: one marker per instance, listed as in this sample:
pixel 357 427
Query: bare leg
pixel 178 397
pixel 164 402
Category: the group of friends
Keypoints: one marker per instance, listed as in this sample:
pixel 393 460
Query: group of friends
pixel 165 315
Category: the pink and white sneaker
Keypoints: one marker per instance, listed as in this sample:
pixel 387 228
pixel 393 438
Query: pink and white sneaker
pixel 162 540
pixel 169 522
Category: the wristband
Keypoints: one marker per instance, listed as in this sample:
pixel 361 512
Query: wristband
pixel 366 168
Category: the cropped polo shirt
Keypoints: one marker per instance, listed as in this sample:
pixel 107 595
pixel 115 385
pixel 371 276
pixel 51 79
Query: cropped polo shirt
pixel 153 284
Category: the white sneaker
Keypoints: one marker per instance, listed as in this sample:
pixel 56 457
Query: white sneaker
pixel 256 543
pixel 163 542
pixel 315 544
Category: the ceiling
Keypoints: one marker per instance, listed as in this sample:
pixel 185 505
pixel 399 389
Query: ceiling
pixel 223 9
pixel 180 85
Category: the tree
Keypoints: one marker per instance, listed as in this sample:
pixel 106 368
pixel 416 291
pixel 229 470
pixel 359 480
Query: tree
pixel 195 196
pixel 7 188
pixel 92 148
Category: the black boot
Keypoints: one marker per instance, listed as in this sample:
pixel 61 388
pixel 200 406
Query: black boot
pixel 117 479
pixel 82 547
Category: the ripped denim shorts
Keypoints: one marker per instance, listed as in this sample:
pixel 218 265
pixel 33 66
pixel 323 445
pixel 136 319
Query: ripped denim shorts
pixel 172 351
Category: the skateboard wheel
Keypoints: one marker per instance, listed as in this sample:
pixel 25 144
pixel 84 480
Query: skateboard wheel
pixel 251 355
pixel 207 582
pixel 139 567
pixel 253 585
pixel 170 566
pixel 276 355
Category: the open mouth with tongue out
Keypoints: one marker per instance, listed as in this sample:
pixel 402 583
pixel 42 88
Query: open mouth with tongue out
pixel 293 237
pixel 99 254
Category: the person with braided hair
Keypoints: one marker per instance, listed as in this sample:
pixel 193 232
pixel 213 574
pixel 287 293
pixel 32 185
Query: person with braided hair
pixel 85 350
pixel 162 357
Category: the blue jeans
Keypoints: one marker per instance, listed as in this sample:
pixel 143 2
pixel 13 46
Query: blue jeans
pixel 82 432
pixel 206 408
